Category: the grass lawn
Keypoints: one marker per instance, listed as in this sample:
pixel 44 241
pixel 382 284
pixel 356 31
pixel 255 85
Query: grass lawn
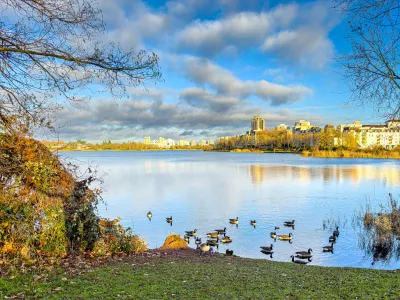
pixel 194 277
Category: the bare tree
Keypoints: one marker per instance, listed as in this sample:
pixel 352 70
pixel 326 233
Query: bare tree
pixel 371 66
pixel 51 51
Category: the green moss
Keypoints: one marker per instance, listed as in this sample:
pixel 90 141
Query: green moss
pixel 199 277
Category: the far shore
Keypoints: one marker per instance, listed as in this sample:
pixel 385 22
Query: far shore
pixel 377 154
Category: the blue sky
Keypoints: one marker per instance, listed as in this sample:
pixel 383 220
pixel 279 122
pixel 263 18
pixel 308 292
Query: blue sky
pixel 223 61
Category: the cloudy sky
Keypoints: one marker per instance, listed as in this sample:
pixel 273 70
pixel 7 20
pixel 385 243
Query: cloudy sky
pixel 223 61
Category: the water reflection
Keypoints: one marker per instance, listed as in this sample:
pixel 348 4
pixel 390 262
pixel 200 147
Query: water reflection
pixel 390 175
pixel 204 190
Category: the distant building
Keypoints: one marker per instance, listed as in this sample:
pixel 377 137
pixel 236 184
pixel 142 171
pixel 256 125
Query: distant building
pixel 368 136
pixel 282 127
pixel 169 143
pixel 257 124
pixel 147 140
pixel 302 126
pixel 192 143
pixel 161 142
pixel 203 143
pixel 210 142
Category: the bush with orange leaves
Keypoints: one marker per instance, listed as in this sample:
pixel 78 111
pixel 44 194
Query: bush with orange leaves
pixel 45 211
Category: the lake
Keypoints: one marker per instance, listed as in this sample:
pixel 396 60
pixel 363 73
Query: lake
pixel 202 190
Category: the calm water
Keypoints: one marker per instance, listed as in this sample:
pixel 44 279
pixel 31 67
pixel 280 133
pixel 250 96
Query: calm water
pixel 203 190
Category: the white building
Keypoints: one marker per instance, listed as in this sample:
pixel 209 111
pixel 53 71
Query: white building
pixel 368 136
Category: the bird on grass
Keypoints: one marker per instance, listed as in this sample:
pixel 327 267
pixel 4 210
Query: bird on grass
pixel 187 239
pixel 205 248
pixel 229 252
pixel 197 241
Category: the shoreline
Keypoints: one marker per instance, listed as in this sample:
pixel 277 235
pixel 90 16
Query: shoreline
pixel 183 273
pixel 352 154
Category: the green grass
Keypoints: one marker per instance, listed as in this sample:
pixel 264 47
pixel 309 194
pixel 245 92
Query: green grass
pixel 215 277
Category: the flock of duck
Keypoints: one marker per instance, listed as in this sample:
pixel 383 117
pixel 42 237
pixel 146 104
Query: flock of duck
pixel 214 238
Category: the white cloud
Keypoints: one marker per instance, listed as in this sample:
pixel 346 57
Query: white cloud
pixel 204 72
pixel 240 30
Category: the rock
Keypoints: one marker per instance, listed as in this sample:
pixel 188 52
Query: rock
pixel 174 242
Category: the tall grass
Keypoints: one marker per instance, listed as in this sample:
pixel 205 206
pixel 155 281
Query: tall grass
pixel 359 153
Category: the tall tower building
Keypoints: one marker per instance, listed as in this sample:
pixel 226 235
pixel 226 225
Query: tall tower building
pixel 147 140
pixel 257 124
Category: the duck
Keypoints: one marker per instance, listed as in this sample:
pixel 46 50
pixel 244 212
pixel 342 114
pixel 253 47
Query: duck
pixel 299 261
pixel 197 241
pixel 229 252
pixel 191 233
pixel 226 239
pixel 169 220
pixel 289 223
pixel 234 221
pixel 149 215
pixel 221 231
pixel 336 232
pixel 187 239
pixel 304 254
pixel 267 248
pixel 273 235
pixel 328 248
pixel 213 235
pixel 332 239
pixel 205 248
pixel 253 223
pixel 285 237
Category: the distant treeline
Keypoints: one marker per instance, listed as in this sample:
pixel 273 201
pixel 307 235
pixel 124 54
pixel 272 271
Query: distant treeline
pixel 81 145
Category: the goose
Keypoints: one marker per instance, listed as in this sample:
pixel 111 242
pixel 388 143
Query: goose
pixel 213 242
pixel 267 248
pixel 191 233
pixel 229 252
pixel 285 237
pixel 221 231
pixel 332 239
pixel 169 220
pixel 277 227
pixel 253 223
pixel 149 214
pixel 205 248
pixel 213 235
pixel 226 239
pixel 336 232
pixel 289 223
pixel 197 241
pixel 304 254
pixel 234 221
pixel 328 248
pixel 273 235
pixel 187 239
pixel 298 261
